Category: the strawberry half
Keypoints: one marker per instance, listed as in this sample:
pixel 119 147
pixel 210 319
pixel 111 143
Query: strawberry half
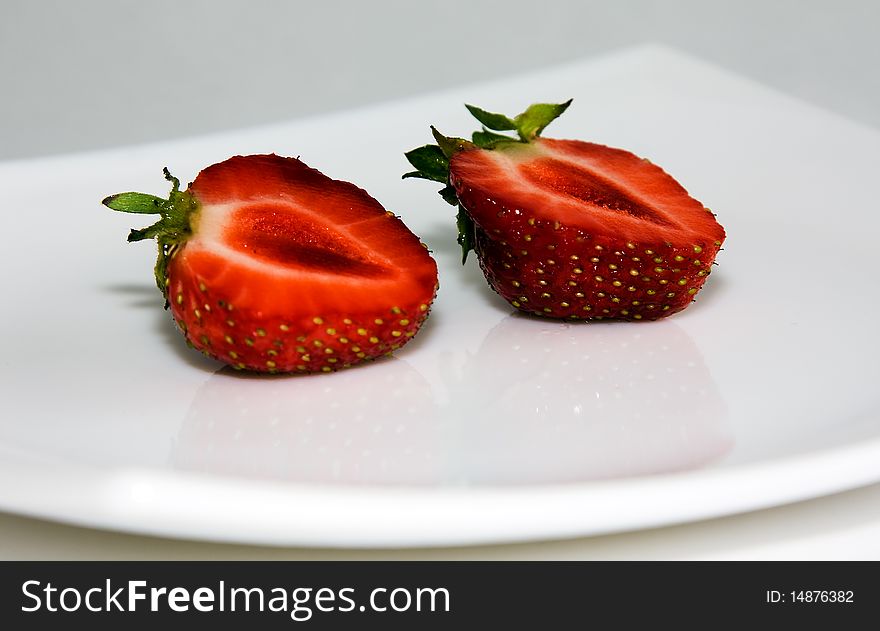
pixel 269 265
pixel 571 229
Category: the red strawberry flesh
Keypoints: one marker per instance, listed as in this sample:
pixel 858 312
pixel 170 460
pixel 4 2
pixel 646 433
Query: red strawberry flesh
pixel 292 240
pixel 585 185
pixel 572 229
pixel 288 270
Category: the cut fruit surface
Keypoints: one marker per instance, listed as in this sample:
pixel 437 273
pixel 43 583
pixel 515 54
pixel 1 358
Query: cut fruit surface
pixel 589 186
pixel 281 234
pixel 280 268
pixel 571 229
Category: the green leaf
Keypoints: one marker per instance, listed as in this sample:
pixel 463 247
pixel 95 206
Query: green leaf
pixel 172 228
pixel 417 174
pixel 448 194
pixel 449 144
pixel 175 183
pixel 498 122
pixel 465 232
pixel 489 140
pixel 150 232
pixel 167 250
pixel 140 203
pixel 430 163
pixel 532 122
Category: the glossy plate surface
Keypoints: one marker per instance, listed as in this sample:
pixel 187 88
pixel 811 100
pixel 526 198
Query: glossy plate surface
pixel 489 426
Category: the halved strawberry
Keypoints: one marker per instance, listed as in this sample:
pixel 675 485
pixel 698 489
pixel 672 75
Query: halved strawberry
pixel 572 229
pixel 269 265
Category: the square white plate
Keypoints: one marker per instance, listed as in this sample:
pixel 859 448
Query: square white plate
pixel 489 426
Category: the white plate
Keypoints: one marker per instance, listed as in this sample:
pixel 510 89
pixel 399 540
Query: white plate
pixel 489 427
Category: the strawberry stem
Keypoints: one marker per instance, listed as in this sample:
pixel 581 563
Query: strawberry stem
pixel 432 161
pixel 173 227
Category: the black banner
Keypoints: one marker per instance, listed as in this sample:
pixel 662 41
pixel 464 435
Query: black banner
pixel 433 595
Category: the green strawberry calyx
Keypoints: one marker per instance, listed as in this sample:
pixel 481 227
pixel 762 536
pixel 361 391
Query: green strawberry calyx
pixel 176 215
pixel 432 161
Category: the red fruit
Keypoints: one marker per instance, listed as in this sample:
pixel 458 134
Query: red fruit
pixel 269 265
pixel 572 229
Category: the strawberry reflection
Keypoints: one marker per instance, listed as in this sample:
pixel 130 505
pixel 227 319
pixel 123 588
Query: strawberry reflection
pixel 371 424
pixel 557 402
pixel 539 402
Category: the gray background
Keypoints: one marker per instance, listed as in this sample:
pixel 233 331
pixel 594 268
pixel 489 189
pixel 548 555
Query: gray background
pixel 97 73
